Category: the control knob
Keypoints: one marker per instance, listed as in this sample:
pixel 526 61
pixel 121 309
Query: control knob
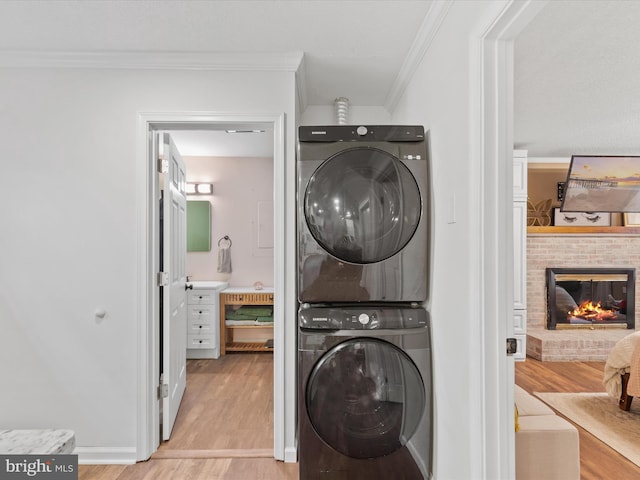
pixel 363 318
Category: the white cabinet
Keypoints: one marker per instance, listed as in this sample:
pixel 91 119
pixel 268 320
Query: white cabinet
pixel 519 255
pixel 520 175
pixel 203 324
pixel 520 252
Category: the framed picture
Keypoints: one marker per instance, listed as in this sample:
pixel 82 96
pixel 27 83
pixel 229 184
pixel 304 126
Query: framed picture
pixel 602 184
pixel 631 219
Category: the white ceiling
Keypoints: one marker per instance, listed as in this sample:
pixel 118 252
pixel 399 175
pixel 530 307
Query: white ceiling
pixel 351 48
pixel 577 80
pixel 219 143
pixel 577 74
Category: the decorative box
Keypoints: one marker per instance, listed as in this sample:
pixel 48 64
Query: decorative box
pixel 581 219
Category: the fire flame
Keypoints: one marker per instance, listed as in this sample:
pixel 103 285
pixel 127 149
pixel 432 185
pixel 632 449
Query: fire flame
pixel 590 311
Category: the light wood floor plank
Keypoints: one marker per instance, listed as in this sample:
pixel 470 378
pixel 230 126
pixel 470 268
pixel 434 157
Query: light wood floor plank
pixel 228 453
pixel 597 460
pixel 214 383
pixel 194 469
pixel 228 404
pixel 224 429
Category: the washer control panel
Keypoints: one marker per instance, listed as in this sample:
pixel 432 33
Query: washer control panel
pixel 361 318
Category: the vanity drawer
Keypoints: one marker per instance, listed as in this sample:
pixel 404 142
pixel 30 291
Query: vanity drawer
pixel 200 341
pixel 201 297
pixel 203 323
pixel 198 328
pixel 201 313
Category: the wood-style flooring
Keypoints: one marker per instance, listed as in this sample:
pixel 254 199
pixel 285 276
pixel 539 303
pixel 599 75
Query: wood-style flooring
pixel 228 404
pixel 597 460
pixel 194 469
pixel 224 430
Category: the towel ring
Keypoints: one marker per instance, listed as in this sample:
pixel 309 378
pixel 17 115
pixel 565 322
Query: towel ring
pixel 225 239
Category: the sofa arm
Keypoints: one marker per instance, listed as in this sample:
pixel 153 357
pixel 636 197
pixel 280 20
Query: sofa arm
pixel 633 387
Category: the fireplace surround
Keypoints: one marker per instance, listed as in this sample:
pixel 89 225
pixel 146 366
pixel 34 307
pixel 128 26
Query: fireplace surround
pixel 619 249
pixel 590 297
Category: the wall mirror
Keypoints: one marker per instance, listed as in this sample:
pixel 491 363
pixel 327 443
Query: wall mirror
pixel 198 226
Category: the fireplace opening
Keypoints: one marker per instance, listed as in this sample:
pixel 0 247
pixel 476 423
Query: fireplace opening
pixel 590 297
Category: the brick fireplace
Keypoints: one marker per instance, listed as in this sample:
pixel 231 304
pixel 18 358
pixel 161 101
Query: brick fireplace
pixel 545 250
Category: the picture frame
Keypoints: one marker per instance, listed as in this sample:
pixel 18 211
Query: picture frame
pixel 597 183
pixel 631 219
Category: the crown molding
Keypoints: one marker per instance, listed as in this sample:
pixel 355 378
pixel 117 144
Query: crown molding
pixel 288 62
pixel 427 32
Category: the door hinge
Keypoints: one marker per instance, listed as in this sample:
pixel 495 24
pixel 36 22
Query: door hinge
pixel 163 390
pixel 163 165
pixel 163 279
pixel 512 346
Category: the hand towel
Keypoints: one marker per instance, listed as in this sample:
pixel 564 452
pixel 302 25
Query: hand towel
pixel 224 259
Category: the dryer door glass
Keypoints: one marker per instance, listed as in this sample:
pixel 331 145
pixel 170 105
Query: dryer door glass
pixel 362 205
pixel 365 398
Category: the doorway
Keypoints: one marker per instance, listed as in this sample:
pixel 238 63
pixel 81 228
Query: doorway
pixel 228 400
pixel 494 74
pixel 150 124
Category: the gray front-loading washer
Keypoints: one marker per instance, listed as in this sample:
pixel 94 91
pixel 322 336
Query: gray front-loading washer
pixel 364 399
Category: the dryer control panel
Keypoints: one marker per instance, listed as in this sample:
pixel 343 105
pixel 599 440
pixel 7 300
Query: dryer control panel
pixel 361 318
pixel 355 133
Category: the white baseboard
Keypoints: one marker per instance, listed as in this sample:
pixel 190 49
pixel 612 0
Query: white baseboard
pixel 290 455
pixel 106 455
pixel 193 353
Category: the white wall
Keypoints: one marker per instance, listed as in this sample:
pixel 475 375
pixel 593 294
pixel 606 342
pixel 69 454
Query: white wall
pixel 239 186
pixel 69 230
pixel 439 96
pixel 68 245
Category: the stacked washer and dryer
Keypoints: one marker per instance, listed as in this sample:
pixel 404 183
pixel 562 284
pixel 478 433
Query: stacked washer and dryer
pixel 364 348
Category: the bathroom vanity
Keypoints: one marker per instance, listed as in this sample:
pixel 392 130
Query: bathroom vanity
pixel 203 322
pixel 250 335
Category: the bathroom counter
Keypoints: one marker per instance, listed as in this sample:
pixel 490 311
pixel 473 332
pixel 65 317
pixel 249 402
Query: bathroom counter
pixel 37 442
pixel 208 285
pixel 248 290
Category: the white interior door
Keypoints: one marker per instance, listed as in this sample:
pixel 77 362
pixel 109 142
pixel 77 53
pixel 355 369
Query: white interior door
pixel 174 311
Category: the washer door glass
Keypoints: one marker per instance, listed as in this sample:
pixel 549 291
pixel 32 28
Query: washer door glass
pixel 362 205
pixel 365 398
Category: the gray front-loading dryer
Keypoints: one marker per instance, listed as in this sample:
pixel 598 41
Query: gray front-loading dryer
pixel 364 398
pixel 362 214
